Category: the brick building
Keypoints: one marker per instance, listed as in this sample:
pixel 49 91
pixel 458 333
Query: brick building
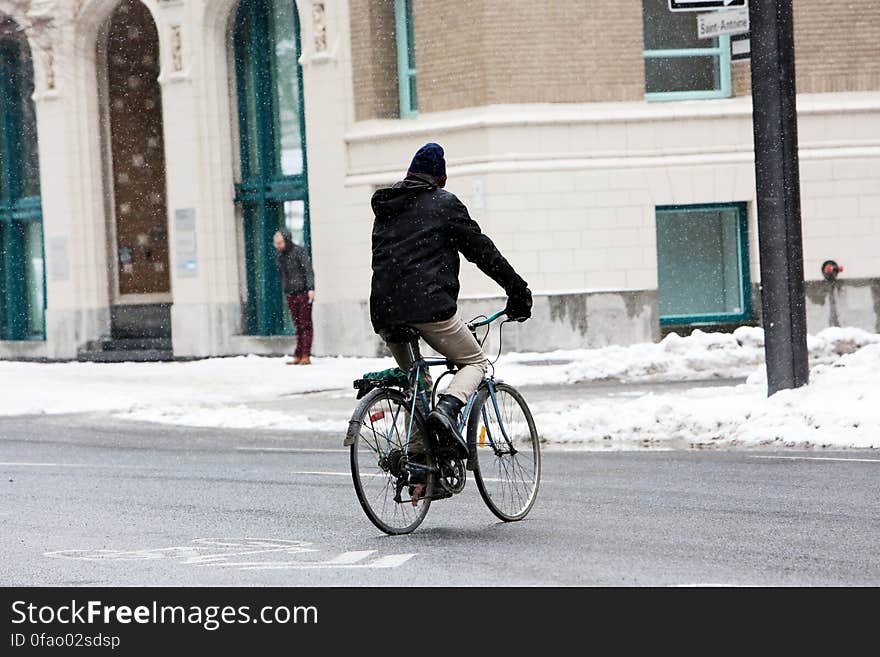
pixel 151 148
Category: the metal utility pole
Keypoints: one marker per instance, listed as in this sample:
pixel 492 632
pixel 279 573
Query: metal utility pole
pixel 778 186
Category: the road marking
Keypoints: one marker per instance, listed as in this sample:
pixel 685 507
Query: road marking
pixel 258 553
pixel 388 561
pixel 710 585
pixel 816 458
pixel 365 474
pixel 293 450
pixel 320 473
pixel 347 558
pixel 27 464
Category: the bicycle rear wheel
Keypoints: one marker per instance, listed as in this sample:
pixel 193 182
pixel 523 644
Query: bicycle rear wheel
pixel 379 463
pixel 508 452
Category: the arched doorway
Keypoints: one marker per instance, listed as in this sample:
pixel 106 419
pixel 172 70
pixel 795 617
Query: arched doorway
pixel 273 189
pixel 142 284
pixel 22 278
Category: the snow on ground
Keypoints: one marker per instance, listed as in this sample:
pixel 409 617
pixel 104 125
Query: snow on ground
pixel 839 408
pixel 240 416
pixel 29 388
pixel 675 358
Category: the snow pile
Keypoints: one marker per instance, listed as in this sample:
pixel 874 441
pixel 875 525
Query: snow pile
pixel 675 358
pixel 839 408
pixel 32 388
pixel 238 416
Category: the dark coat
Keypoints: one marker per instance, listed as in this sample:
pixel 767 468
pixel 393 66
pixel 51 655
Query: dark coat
pixel 418 232
pixel 294 267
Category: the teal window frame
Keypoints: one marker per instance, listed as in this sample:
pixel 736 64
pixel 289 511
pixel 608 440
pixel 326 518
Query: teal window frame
pixel 406 59
pixel 745 281
pixel 17 212
pixel 723 72
pixel 264 188
pixel 720 51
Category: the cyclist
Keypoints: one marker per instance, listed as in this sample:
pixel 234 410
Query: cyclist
pixel 418 231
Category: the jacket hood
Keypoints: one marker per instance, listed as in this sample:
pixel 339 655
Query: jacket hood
pixel 389 202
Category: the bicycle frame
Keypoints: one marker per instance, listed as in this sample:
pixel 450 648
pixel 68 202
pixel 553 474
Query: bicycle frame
pixel 419 392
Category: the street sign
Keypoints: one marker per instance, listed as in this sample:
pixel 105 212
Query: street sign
pixel 717 23
pixel 700 5
pixel 740 47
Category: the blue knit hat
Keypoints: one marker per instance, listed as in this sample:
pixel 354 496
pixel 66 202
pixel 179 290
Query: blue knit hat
pixel 429 159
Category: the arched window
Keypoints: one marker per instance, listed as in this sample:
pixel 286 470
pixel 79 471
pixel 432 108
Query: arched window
pixel 22 278
pixel 273 191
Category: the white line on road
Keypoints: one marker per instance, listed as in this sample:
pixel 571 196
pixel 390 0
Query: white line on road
pixel 365 474
pixel 293 450
pixel 347 558
pixel 354 559
pixel 388 561
pixel 816 458
pixel 24 464
pixel 320 473
pixel 702 585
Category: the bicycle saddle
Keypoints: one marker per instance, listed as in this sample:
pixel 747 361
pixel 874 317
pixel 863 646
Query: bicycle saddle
pixel 397 334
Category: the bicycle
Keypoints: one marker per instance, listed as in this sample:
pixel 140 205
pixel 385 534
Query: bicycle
pixel 504 446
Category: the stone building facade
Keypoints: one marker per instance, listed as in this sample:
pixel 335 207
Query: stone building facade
pixel 151 147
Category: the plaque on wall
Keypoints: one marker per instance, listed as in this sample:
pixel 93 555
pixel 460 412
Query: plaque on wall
pixel 185 242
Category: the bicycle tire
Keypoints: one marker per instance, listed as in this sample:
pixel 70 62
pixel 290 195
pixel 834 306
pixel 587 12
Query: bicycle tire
pixel 372 443
pixel 509 501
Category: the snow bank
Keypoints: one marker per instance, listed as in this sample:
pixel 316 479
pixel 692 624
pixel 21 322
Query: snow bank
pixel 675 358
pixel 31 388
pixel 237 416
pixel 838 409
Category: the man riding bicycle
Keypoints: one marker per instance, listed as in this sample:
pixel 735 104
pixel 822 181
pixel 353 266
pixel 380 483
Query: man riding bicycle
pixel 418 232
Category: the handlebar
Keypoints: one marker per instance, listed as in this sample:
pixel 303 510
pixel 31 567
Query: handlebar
pixel 488 320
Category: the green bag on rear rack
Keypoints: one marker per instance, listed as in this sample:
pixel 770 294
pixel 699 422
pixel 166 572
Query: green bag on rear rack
pixel 394 377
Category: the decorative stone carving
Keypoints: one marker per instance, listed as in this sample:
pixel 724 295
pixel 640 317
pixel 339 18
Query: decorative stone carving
pixel 176 48
pixel 49 67
pixel 319 23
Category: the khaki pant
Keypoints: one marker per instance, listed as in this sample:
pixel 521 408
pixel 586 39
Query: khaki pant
pixel 451 338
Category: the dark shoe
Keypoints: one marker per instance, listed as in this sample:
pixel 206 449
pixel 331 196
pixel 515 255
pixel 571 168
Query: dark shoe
pixel 443 420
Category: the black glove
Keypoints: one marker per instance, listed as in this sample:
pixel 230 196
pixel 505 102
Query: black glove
pixel 519 305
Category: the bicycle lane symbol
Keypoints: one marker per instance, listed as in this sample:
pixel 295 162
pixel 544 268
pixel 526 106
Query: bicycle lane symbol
pixel 244 554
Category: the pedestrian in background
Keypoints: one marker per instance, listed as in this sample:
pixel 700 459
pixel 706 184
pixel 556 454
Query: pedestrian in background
pixel 298 283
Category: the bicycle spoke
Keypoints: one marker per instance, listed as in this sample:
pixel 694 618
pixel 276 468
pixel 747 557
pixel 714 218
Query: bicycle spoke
pixel 506 428
pixel 377 464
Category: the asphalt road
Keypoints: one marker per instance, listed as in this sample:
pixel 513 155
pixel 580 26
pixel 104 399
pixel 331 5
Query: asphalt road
pixel 85 500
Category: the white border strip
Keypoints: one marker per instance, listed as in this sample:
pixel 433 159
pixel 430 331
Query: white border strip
pixel 816 458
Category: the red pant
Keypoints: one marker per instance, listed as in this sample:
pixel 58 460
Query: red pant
pixel 301 313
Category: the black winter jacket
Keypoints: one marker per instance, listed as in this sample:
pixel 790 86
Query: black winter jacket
pixel 418 232
pixel 294 267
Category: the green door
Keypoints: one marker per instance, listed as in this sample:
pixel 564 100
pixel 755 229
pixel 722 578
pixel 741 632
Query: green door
pixel 273 191
pixel 702 264
pixel 22 278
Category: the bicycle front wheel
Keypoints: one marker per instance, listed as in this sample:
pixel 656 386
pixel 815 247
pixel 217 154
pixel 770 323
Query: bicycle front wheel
pixel 502 433
pixel 380 462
